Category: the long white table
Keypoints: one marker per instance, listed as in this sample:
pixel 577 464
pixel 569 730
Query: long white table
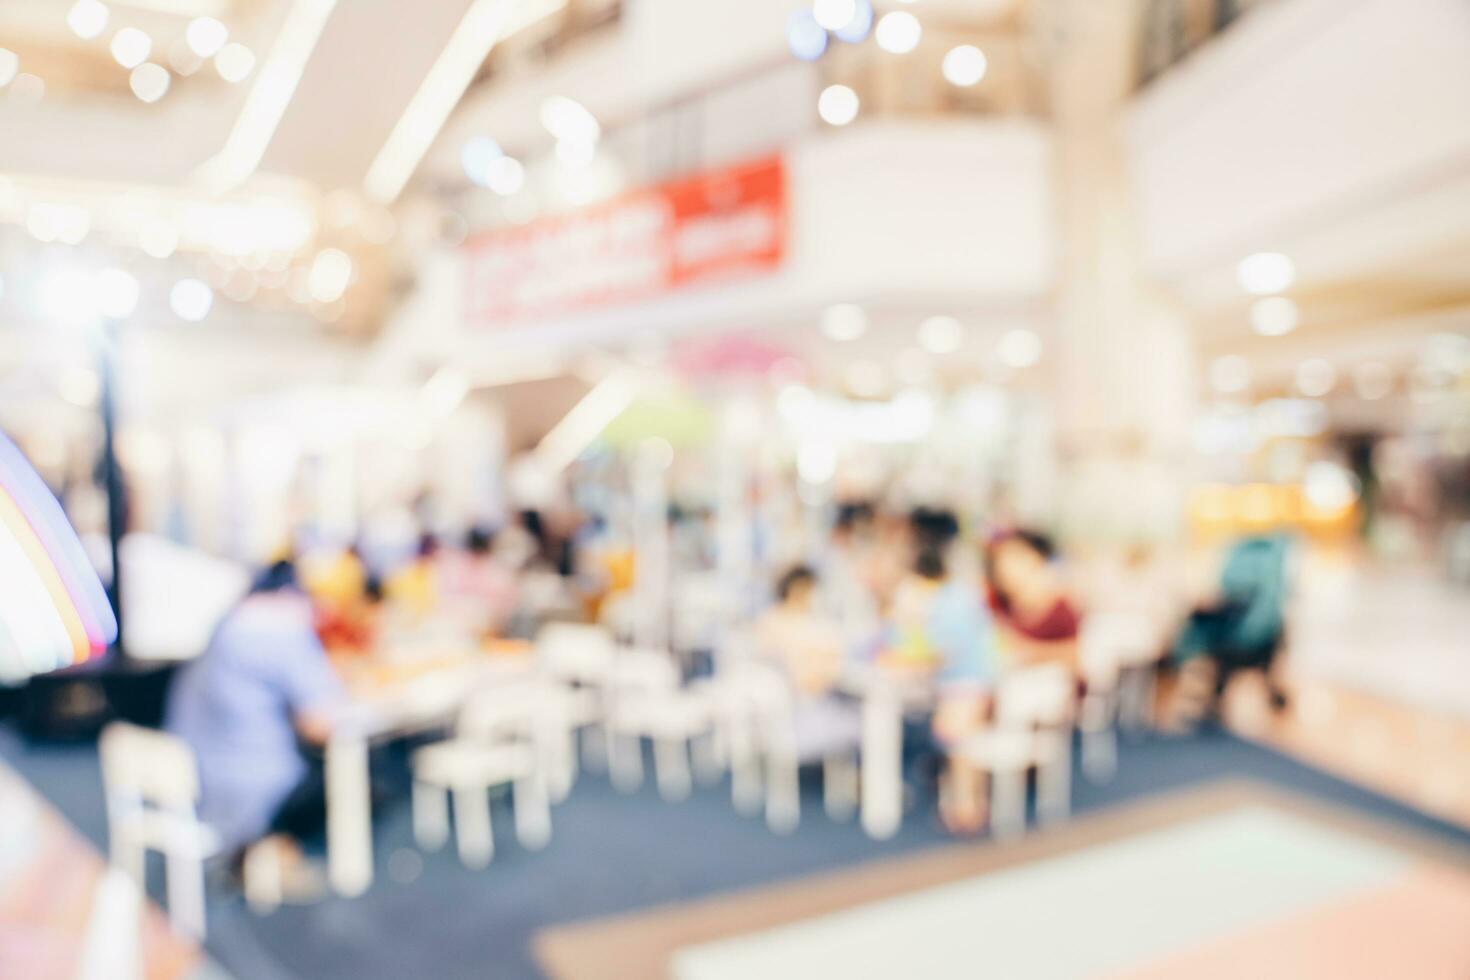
pixel 885 698
pixel 432 698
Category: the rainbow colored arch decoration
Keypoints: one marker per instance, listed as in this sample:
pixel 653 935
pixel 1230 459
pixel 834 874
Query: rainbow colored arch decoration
pixel 53 610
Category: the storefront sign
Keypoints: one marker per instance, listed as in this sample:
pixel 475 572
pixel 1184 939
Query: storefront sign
pixel 719 225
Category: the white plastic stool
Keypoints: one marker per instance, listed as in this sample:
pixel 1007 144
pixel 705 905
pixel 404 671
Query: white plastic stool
pixel 495 745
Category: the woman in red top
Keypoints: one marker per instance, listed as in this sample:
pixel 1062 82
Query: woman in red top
pixel 1037 618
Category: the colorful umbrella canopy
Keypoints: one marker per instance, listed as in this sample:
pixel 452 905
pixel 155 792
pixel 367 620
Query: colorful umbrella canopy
pixel 53 610
pixel 668 413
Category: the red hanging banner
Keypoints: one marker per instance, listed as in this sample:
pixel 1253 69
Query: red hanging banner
pixel 720 225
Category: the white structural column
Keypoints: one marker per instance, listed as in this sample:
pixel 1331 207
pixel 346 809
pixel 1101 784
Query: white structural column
pixel 740 428
pixel 651 544
pixel 1124 372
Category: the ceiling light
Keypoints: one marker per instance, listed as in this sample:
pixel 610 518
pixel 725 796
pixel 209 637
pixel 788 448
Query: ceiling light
pixel 131 47
pixel 9 65
pixel 331 273
pixel 158 239
pixel 1330 487
pixel 1373 380
pixel 941 335
pixel 899 32
pixel 1019 348
pixel 837 105
pixel 844 321
pixel 66 223
pixel 1316 377
pixel 234 62
pixel 191 299
pixel 833 15
pixel 117 293
pixel 1274 316
pixel 965 65
pixel 1265 273
pixel 87 18
pixel 206 36
pixel 182 59
pixel 485 23
pixel 149 82
pixel 476 157
pixel 269 96
pixel 505 176
pixel 1230 375
pixel 857 28
pixel 569 121
pixel 804 36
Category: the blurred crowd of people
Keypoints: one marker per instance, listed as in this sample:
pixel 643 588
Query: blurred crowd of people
pixel 913 594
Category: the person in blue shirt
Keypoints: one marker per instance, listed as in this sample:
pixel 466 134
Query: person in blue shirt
pixel 261 689
pixel 941 627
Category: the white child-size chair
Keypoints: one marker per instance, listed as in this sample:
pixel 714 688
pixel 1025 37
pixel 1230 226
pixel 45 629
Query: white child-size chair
pixel 771 734
pixel 645 699
pixel 1032 730
pixel 1118 653
pixel 499 740
pixel 577 657
pixel 151 781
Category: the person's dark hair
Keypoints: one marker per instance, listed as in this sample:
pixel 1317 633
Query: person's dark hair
pixel 479 541
pixel 428 546
pixel 794 577
pixel 852 514
pixel 275 577
pixel 372 589
pixel 1035 540
pixel 934 528
pixel 929 563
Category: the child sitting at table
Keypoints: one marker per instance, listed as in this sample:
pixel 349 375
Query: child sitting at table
pixel 805 644
pixel 940 629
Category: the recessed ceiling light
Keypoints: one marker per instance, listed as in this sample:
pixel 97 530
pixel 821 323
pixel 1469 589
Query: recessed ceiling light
pixel 149 82
pixel 1019 348
pixel 833 15
pixel 1265 273
pixel 234 62
pixel 1274 316
pixel 899 32
pixel 191 299
pixel 1315 377
pixel 844 321
pixel 206 36
pixel 804 36
pixel 837 105
pixel 131 47
pixel 965 65
pixel 941 335
pixel 87 18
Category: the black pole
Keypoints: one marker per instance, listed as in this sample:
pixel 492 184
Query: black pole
pixel 112 481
